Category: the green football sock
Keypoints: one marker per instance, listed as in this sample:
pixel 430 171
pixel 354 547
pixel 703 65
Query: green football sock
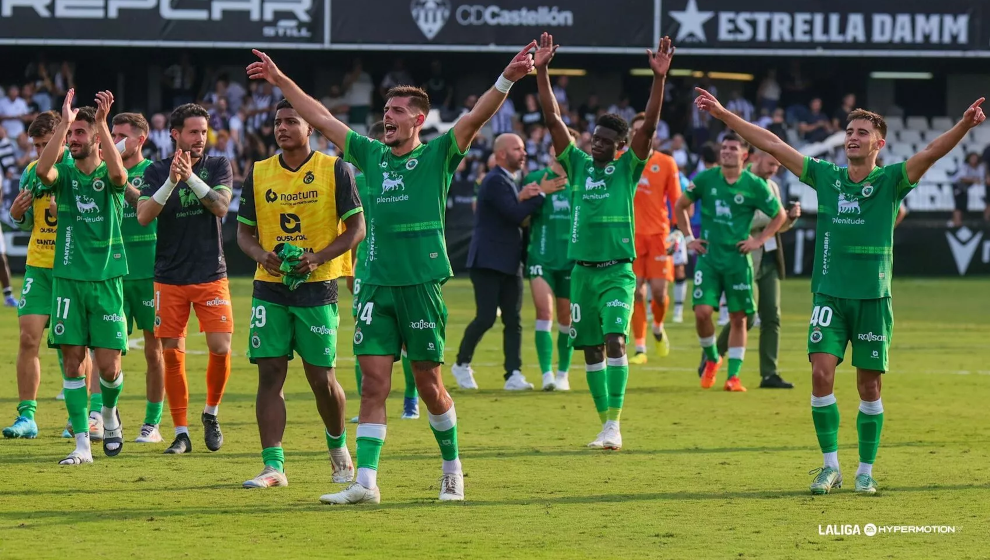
pixel 336 442
pixel 564 348
pixel 407 371
pixel 153 412
pixel 618 375
pixel 357 374
pixel 544 346
pixel 370 439
pixel 75 393
pixel 598 385
pixel 708 346
pixel 96 400
pixel 736 357
pixel 869 422
pixel 111 390
pixel 444 428
pixel 825 414
pixel 274 457
pixel 27 409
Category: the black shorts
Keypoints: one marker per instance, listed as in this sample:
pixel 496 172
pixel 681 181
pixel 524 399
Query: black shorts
pixel 960 194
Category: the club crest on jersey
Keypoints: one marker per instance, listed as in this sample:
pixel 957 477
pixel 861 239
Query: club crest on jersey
pixel 655 168
pixel 60 329
pixel 136 182
pixel 309 178
pixel 738 199
pixel 384 164
pixel 358 337
pixel 203 173
pixel 98 185
pixel 256 342
pixel 867 190
pixel 609 169
pixel 411 164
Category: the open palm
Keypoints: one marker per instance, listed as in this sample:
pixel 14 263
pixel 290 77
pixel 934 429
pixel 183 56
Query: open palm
pixel 68 113
pixel 521 64
pixel 660 60
pixel 264 69
pixel 545 51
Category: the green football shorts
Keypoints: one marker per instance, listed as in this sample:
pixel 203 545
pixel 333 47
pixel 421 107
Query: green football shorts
pixel 278 331
pixel 36 292
pixel 139 304
pixel 558 280
pixel 601 302
pixel 88 313
pixel 389 317
pixel 867 323
pixel 736 281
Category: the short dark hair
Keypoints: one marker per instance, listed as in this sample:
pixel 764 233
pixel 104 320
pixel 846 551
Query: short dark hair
pixel 733 137
pixel 614 122
pixel 708 153
pixel 283 104
pixel 418 98
pixel 87 115
pixel 136 120
pixel 179 115
pixel 876 119
pixel 44 124
pixel 376 130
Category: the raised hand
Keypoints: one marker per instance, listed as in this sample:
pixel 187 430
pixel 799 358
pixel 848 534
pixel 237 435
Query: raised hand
pixel 264 69
pixel 660 60
pixel 545 51
pixel 173 171
pixel 68 113
pixel 184 168
pixel 974 115
pixel 707 102
pixel 521 64
pixel 104 100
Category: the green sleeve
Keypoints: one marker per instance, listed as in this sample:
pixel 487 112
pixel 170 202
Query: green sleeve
pixel 571 158
pixel 903 184
pixel 696 186
pixel 454 153
pixel 357 149
pixel 636 167
pixel 809 172
pixel 766 201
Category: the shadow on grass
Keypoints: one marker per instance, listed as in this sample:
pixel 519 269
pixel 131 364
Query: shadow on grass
pixel 42 518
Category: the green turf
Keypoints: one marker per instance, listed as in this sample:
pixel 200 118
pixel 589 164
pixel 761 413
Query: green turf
pixel 703 474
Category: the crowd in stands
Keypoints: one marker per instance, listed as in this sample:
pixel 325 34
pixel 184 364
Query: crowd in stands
pixel 241 117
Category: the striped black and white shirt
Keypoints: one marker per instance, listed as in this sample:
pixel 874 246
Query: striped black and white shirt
pixel 8 156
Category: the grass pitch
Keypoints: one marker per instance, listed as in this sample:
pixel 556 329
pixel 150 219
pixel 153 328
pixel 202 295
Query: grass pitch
pixel 704 474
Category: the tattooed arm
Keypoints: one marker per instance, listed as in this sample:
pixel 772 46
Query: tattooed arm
pixel 217 201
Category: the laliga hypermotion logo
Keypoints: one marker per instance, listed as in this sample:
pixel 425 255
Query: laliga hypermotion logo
pixel 430 16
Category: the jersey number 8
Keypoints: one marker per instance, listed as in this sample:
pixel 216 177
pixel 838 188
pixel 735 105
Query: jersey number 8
pixel 697 277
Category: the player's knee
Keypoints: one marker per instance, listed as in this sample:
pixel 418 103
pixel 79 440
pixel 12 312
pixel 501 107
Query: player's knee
pixel 615 345
pixel 220 347
pixel 738 319
pixel 869 387
pixel 703 313
pixel 29 341
pixel 594 355
pixel 73 367
pixel 270 375
pixel 640 295
pixel 543 313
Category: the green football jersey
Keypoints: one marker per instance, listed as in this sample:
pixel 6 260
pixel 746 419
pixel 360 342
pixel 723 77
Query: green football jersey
pixel 854 239
pixel 405 208
pixel 602 205
pixel 550 228
pixel 89 244
pixel 727 213
pixel 361 251
pixel 139 241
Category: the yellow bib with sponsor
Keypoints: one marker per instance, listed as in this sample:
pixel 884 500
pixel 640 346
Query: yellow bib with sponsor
pixel 41 248
pixel 299 207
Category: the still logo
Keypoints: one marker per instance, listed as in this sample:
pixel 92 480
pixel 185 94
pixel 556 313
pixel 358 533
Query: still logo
pixel 963 244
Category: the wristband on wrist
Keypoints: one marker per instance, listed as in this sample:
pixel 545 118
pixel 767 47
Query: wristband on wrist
pixel 162 194
pixel 503 84
pixel 688 239
pixel 198 186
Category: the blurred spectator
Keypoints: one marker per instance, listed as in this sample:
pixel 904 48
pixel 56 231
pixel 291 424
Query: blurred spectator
pixel 842 113
pixel 27 94
pixel 439 89
pixel 778 125
pixel 663 133
pixel 971 172
pixel 65 79
pixel 262 102
pixel 180 79
pixel 768 95
pixel 814 126
pixel 678 150
pixel 225 148
pixel 13 110
pixel 160 136
pixel 700 121
pixel 334 101
pixel 235 93
pixel 740 106
pixel 397 76
pixel 469 103
pixel 560 90
pixel 588 112
pixel 532 115
pixel 210 100
pixel 220 115
pixel 623 109
pixel 8 154
pixel 504 119
pixel 358 89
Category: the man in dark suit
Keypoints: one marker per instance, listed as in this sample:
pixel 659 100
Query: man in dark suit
pixel 495 259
